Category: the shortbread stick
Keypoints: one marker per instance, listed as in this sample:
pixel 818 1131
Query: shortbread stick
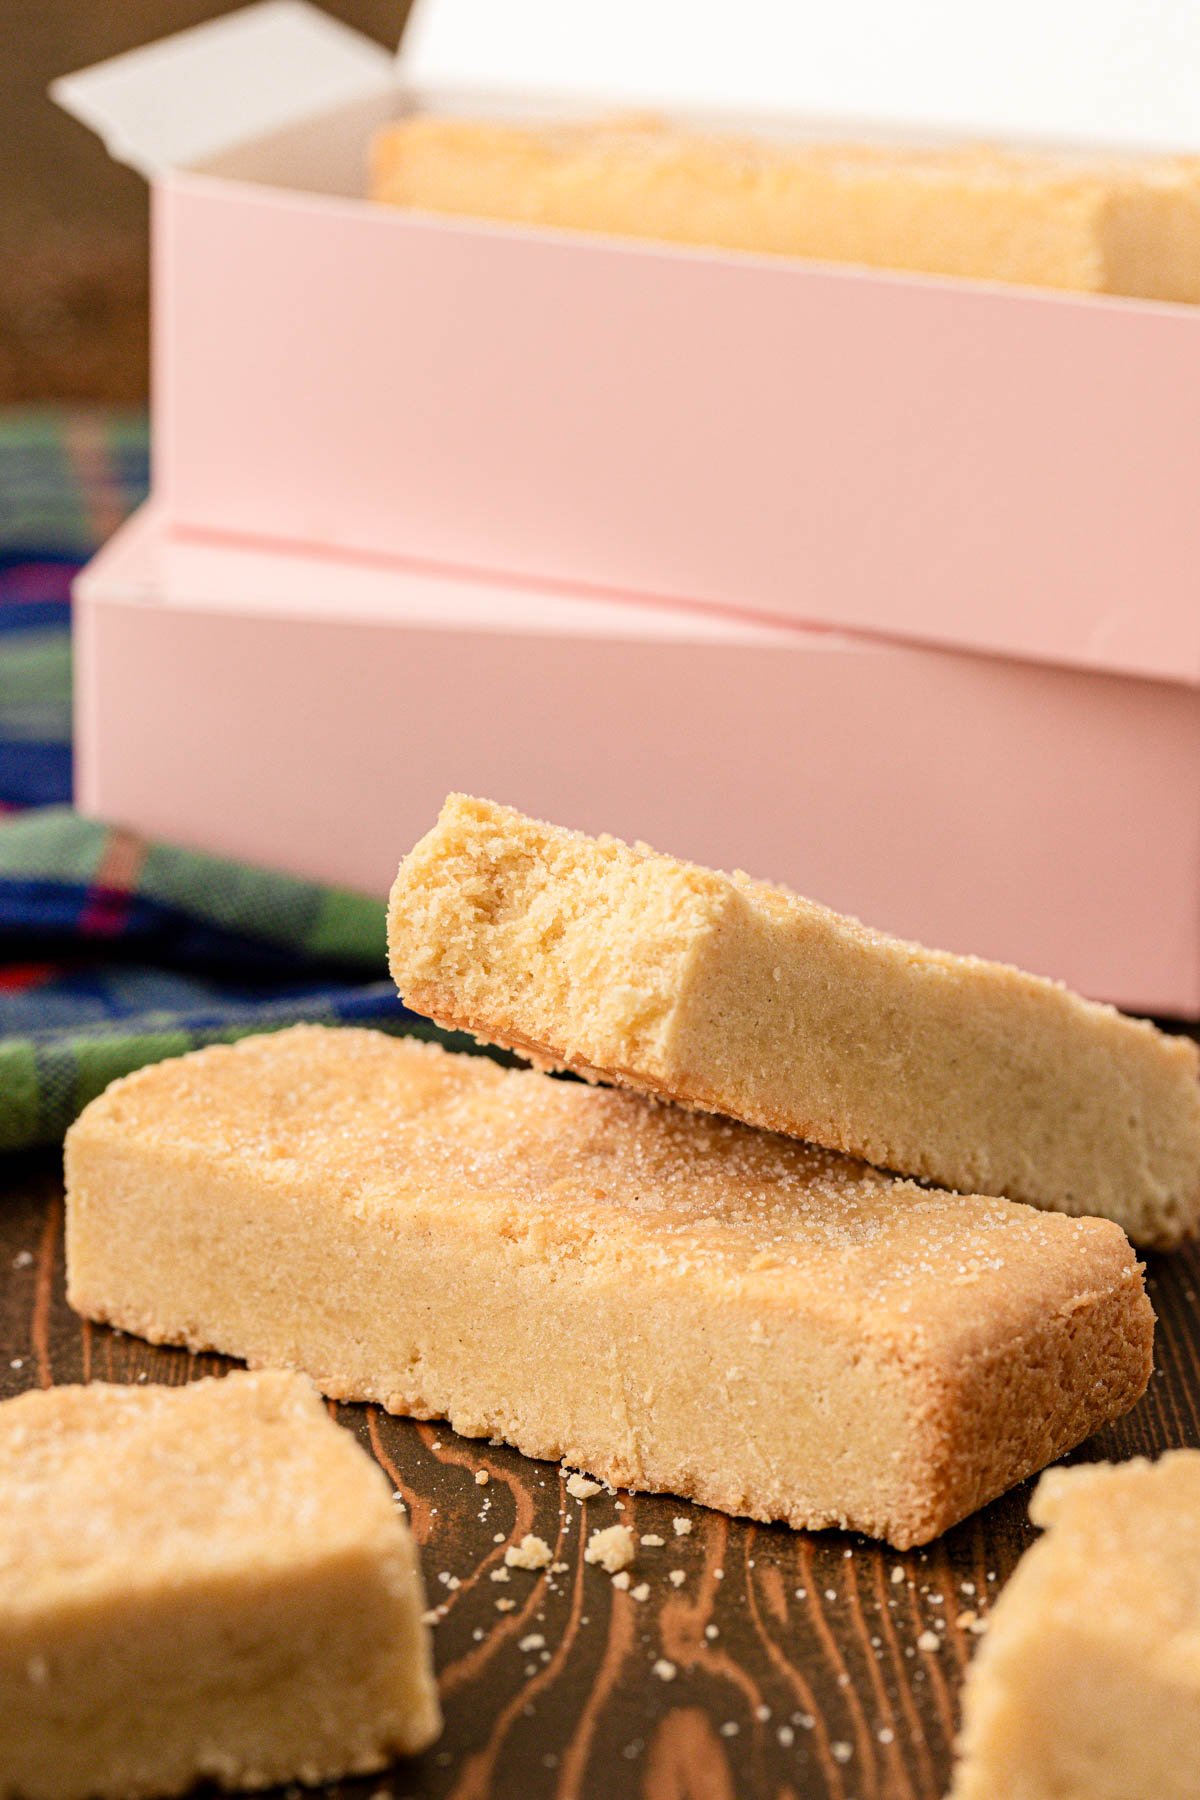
pixel 669 1300
pixel 1087 1683
pixel 726 993
pixel 200 1583
pixel 1095 222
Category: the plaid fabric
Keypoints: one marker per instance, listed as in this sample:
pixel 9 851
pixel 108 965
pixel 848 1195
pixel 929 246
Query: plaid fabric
pixel 113 951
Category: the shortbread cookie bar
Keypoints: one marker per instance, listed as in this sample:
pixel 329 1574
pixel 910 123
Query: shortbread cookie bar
pixel 727 993
pixel 1121 224
pixel 1087 1685
pixel 207 1583
pixel 669 1300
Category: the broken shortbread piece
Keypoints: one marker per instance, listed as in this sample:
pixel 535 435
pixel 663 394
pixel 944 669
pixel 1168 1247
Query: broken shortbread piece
pixel 728 994
pixel 1088 1681
pixel 612 1548
pixel 800 1337
pixel 200 1583
pixel 1094 221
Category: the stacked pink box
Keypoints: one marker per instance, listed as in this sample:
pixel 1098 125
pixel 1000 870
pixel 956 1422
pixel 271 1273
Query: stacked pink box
pixel 879 585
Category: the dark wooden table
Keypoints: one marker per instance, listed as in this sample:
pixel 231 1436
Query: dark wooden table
pixel 798 1670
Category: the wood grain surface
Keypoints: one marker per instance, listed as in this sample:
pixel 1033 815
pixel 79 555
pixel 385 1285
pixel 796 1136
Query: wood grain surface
pixel 798 1671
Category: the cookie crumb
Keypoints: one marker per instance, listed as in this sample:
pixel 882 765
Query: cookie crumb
pixel 681 1527
pixel 666 1671
pixel 612 1548
pixel 531 1553
pixel 582 1487
pixel 929 1640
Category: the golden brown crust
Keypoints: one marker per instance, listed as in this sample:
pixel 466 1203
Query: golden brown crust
pixel 730 996
pixel 200 1582
pixel 1087 1681
pixel 555 1059
pixel 701 1281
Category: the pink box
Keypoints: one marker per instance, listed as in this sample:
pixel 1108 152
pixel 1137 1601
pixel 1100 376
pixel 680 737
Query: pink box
pixel 629 535
pixel 984 468
pixel 311 713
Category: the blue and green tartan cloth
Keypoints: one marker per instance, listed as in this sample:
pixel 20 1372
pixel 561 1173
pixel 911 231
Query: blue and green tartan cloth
pixel 115 951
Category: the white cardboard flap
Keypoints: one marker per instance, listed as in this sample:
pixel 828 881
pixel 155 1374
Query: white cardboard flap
pixel 1116 72
pixel 193 95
